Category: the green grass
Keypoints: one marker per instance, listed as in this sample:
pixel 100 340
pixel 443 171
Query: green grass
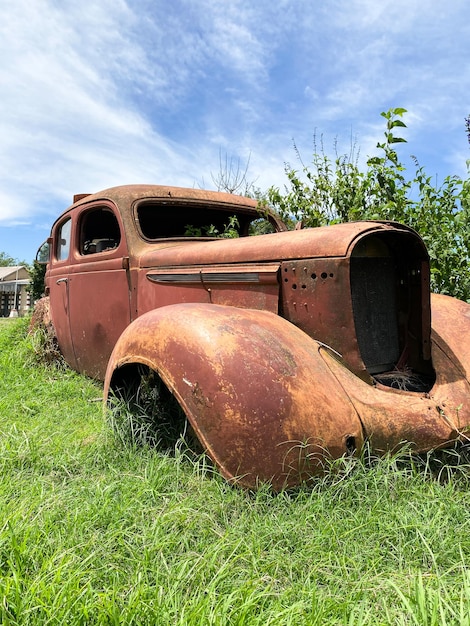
pixel 96 532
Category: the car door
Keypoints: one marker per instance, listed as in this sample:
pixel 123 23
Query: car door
pixel 98 287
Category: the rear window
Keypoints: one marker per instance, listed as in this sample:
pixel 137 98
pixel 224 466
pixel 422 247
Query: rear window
pixel 157 220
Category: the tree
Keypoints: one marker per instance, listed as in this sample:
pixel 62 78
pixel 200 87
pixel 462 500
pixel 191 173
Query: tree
pixel 37 285
pixel 232 177
pixel 8 261
pixel 330 191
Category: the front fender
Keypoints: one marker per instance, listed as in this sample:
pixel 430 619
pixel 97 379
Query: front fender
pixel 255 389
pixel 424 420
pixel 451 330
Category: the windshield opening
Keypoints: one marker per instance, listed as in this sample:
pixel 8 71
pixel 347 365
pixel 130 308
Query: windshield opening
pixel 161 220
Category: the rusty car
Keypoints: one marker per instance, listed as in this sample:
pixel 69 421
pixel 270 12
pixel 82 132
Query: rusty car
pixel 280 350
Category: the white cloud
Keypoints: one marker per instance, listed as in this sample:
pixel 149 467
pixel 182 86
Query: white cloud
pixel 104 92
pixel 64 124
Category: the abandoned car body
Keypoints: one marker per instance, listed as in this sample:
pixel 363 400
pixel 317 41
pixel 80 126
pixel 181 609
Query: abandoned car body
pixel 282 349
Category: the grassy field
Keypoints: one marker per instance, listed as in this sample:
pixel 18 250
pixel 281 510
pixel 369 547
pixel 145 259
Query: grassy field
pixel 93 531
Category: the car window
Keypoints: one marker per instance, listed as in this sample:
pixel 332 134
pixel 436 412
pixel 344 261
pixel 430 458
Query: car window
pixel 165 219
pixel 99 231
pixel 63 240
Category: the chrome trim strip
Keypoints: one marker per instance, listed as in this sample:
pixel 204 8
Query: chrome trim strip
pixel 207 277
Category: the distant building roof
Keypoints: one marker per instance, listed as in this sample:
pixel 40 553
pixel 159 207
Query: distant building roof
pixel 12 277
pixel 13 272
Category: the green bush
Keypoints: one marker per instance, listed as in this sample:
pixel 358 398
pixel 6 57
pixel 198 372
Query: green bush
pixel 330 191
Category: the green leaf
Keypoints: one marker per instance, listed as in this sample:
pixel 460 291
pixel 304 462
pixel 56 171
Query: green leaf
pixel 398 123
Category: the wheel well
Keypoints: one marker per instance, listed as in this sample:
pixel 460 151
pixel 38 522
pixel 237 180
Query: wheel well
pixel 144 411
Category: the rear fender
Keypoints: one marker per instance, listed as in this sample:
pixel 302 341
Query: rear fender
pixel 254 388
pixel 451 330
pixel 425 421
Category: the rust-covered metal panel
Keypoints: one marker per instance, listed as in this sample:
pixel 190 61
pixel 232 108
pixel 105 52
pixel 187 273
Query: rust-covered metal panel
pixel 315 298
pixel 254 286
pixel 127 197
pixel 451 330
pixel 392 418
pixel 329 241
pixel 282 349
pixel 257 393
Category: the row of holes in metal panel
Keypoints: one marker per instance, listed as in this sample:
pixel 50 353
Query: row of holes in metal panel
pixel 323 276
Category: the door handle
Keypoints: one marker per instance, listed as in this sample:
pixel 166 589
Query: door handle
pixel 62 280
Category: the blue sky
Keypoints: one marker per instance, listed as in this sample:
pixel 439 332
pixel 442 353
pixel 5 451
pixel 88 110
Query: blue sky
pixel 107 92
